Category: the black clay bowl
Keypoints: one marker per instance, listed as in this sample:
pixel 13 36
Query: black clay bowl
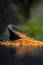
pixel 13 35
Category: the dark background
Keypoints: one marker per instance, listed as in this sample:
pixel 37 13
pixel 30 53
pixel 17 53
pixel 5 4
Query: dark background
pixel 28 16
